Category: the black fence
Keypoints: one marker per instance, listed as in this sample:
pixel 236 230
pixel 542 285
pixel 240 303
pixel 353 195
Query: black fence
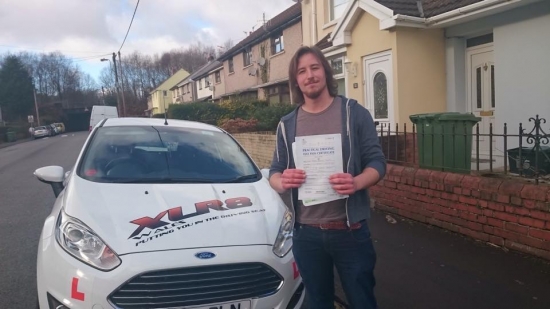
pixel 455 146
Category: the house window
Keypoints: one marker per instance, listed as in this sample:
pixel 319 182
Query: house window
pixel 165 93
pixel 278 95
pixel 230 62
pixel 336 8
pixel 218 77
pixel 479 40
pixel 247 57
pixel 380 87
pixel 200 83
pixel 337 65
pixel 492 86
pixel 478 87
pixel 277 44
pixel 206 82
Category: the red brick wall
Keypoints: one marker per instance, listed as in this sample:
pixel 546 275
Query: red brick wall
pixel 504 212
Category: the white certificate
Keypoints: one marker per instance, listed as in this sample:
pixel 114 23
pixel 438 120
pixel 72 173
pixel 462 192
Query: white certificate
pixel 319 156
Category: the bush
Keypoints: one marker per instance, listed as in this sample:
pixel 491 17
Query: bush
pixel 201 111
pixel 269 116
pixel 240 108
pixel 239 125
pixel 158 115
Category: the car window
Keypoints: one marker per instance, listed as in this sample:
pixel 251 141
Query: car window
pixel 133 154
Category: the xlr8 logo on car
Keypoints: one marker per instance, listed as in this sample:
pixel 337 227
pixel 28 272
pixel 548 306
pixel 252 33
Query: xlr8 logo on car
pixel 173 219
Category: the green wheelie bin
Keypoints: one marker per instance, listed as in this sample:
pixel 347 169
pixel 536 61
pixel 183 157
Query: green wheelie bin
pixel 11 136
pixel 444 140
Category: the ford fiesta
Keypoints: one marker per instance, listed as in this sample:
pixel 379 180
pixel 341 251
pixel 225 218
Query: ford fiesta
pixel 159 214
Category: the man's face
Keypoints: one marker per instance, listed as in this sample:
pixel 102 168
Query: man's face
pixel 311 76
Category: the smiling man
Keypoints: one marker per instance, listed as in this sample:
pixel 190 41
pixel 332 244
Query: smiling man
pixel 333 233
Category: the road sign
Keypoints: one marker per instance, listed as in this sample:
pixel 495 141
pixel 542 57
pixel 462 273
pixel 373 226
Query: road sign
pixel 30 118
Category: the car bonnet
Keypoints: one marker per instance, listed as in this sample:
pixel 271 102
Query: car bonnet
pixel 132 218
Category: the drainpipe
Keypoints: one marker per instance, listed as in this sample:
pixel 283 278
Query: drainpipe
pixel 314 23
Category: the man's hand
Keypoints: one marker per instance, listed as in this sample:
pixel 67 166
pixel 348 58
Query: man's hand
pixel 343 183
pixel 292 178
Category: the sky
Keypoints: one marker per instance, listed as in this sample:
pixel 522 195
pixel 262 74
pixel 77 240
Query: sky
pixel 82 29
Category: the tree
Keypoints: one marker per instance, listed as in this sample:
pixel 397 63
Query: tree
pixel 16 89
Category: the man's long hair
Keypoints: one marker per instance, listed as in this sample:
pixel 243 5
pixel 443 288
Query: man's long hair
pixel 297 95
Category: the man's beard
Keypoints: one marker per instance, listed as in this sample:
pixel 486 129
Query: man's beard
pixel 314 94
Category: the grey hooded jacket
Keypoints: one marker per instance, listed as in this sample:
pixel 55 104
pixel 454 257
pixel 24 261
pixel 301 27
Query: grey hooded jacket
pixel 360 148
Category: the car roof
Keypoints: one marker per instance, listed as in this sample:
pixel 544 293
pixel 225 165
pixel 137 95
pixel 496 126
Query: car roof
pixel 136 121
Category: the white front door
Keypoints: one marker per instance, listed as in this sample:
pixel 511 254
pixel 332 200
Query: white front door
pixel 379 87
pixel 481 95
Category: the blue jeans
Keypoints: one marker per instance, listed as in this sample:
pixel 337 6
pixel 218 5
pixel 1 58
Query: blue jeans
pixel 352 253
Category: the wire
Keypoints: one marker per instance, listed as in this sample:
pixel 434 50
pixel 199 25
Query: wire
pixel 129 26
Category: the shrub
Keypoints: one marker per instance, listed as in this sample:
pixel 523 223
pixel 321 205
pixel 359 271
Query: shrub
pixel 200 111
pixel 158 115
pixel 269 116
pixel 240 108
pixel 239 125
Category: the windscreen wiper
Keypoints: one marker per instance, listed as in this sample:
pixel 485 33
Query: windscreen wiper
pixel 159 180
pixel 241 178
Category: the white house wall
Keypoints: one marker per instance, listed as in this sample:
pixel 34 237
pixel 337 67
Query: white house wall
pixel 522 66
pixel 522 73
pixel 204 92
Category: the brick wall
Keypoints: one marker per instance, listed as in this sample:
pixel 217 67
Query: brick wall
pixel 260 146
pixel 500 211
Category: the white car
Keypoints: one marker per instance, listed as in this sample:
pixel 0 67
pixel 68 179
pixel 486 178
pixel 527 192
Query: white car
pixel 157 215
pixel 41 131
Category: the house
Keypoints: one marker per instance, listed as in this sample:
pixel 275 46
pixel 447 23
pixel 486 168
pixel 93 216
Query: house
pixel 408 57
pixel 196 87
pixel 161 97
pixel 185 91
pixel 389 71
pixel 206 81
pixel 257 67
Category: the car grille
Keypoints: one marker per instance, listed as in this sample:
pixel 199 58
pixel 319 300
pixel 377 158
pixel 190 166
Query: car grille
pixel 197 286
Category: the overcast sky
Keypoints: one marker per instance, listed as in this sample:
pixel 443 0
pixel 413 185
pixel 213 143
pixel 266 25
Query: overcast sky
pixel 85 28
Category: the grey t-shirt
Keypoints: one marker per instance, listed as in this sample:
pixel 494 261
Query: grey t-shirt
pixel 328 121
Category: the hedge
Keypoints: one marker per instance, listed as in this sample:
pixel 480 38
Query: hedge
pixel 233 116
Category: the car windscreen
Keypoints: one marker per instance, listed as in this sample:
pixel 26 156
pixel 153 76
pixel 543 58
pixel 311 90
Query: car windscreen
pixel 146 154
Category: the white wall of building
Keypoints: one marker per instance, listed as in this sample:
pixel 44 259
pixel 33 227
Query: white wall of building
pixel 205 91
pixel 522 74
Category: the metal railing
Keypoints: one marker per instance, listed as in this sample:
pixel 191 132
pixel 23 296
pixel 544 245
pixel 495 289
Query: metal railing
pixel 462 149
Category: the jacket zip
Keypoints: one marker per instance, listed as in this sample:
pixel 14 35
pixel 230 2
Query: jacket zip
pixel 283 131
pixel 349 157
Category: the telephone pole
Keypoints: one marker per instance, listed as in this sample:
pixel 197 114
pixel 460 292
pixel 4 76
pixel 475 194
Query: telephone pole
pixel 122 82
pixel 116 84
pixel 36 106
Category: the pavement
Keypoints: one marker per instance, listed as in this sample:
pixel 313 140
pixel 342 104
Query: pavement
pixel 19 141
pixel 423 266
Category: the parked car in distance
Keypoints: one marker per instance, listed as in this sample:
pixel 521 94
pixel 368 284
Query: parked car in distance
pixel 41 131
pixel 100 112
pixel 60 127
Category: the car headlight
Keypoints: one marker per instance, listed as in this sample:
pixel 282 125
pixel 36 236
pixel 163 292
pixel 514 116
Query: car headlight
pixel 283 243
pixel 82 243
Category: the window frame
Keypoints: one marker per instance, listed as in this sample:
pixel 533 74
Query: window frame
pixel 280 37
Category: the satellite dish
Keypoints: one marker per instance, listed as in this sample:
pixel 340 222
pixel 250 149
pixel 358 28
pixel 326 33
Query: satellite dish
pixel 261 61
pixel 252 71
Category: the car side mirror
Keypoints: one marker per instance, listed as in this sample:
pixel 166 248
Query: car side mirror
pixel 52 175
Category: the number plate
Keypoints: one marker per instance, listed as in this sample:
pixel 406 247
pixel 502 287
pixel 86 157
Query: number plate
pixel 233 305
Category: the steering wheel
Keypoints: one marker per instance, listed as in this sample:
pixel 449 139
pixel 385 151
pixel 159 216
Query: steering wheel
pixel 124 162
